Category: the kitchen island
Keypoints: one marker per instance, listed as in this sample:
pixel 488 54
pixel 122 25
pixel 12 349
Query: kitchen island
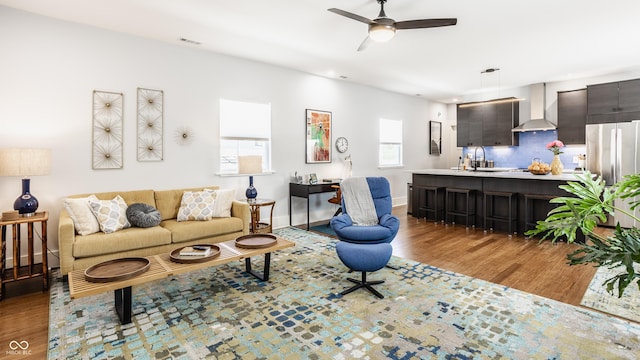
pixel 520 183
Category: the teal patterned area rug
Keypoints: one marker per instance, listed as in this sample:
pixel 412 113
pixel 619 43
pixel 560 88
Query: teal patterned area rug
pixel 325 229
pixel 597 297
pixel 427 313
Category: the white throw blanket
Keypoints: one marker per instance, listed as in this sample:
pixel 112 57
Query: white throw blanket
pixel 358 201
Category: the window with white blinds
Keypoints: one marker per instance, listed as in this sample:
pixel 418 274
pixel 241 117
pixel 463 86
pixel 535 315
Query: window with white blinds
pixel 390 151
pixel 245 129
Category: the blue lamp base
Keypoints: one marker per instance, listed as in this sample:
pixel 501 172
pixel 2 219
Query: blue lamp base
pixel 251 192
pixel 26 204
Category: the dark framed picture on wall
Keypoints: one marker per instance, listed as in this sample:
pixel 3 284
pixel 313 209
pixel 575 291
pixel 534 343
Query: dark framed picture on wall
pixel 318 137
pixel 435 136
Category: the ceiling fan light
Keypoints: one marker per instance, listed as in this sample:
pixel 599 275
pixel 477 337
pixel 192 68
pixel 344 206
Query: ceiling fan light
pixel 381 32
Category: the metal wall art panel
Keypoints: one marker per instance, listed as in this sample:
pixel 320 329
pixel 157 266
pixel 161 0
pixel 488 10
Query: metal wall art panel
pixel 150 125
pixel 107 130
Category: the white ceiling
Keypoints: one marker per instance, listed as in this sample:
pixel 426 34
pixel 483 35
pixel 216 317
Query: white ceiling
pixel 531 41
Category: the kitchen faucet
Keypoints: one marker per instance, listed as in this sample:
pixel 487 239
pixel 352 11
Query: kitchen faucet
pixel 475 157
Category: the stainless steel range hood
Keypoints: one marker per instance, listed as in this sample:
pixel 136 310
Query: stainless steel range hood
pixel 537 122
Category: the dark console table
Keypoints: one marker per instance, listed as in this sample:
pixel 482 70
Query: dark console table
pixel 306 190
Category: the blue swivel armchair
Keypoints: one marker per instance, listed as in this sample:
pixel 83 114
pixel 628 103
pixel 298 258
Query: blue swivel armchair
pixel 383 232
pixel 367 248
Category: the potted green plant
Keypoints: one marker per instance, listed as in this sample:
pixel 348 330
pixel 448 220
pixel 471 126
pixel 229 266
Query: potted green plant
pixel 589 205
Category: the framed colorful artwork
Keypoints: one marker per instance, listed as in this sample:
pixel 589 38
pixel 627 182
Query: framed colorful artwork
pixel 318 138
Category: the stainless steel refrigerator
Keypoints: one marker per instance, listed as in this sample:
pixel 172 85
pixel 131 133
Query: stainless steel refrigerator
pixel 613 152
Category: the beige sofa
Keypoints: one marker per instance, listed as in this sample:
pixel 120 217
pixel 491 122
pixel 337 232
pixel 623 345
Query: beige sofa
pixel 83 251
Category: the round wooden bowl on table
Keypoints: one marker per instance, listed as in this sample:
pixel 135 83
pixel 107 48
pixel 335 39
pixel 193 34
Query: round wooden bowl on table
pixel 540 172
pixel 189 259
pixel 256 241
pixel 117 270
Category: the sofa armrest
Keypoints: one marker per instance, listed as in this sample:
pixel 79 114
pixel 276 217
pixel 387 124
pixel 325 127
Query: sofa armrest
pixel 66 238
pixel 240 209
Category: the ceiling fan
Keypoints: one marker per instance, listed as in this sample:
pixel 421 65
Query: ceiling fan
pixel 382 28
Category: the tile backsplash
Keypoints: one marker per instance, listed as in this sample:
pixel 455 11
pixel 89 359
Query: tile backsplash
pixel 532 145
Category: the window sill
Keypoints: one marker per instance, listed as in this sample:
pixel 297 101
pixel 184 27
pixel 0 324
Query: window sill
pixel 236 174
pixel 389 167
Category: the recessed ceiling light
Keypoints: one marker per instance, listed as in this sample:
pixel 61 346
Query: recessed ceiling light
pixel 189 41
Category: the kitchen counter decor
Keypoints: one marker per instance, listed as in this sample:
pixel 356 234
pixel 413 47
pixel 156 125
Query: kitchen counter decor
pixel 538 167
pixel 556 164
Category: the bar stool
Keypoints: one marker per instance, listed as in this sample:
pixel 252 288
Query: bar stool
pixel 468 211
pixel 489 209
pixel 530 208
pixel 435 206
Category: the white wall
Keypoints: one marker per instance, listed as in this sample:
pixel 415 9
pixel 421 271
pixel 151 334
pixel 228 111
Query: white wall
pixel 49 69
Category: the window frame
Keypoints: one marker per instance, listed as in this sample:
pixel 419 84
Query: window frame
pixel 384 141
pixel 241 139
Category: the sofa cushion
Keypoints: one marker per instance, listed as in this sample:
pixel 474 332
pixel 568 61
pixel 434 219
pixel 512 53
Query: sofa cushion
pixel 123 240
pixel 143 215
pixel 223 201
pixel 84 221
pixel 193 230
pixel 130 197
pixel 196 205
pixel 111 214
pixel 168 201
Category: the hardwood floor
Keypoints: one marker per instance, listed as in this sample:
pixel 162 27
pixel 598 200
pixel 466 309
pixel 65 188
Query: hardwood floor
pixel 517 262
pixel 524 264
pixel 24 315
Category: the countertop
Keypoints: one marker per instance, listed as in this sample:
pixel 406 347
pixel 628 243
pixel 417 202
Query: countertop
pixel 497 174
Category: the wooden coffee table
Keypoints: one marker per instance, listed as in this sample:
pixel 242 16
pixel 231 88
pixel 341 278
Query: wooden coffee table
pixel 162 267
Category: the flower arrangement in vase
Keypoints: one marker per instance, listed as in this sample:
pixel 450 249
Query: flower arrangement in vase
pixel 556 164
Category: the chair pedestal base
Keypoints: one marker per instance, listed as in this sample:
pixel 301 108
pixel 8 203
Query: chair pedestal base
pixel 364 284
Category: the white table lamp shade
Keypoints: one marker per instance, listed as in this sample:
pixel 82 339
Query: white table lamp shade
pixel 251 164
pixel 25 162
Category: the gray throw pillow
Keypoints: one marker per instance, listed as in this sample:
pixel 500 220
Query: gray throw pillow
pixel 143 215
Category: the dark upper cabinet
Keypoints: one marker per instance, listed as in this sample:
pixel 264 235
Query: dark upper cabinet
pixel 487 124
pixel 629 97
pixel 469 126
pixel 613 102
pixel 498 125
pixel 572 116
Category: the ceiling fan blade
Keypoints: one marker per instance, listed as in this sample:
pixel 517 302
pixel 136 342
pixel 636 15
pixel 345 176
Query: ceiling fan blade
pixel 365 43
pixel 425 23
pixel 351 15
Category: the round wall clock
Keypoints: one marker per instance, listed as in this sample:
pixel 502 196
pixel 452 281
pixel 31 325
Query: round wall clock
pixel 342 144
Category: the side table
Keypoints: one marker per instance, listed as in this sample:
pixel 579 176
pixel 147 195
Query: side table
pixel 256 225
pixel 29 270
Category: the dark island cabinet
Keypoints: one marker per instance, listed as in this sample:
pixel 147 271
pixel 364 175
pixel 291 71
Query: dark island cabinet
pixel 572 116
pixel 613 102
pixel 487 124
